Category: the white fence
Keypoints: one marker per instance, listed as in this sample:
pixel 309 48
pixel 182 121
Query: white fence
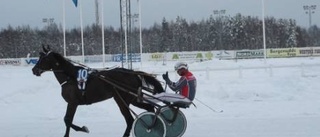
pixel 200 56
pixel 302 69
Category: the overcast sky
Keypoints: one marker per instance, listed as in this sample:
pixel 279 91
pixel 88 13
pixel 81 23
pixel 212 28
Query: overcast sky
pixel 31 12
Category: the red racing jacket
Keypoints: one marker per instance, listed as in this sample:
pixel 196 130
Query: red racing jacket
pixel 186 85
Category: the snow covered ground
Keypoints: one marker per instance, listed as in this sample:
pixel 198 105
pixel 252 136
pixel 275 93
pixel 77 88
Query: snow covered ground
pixel 258 102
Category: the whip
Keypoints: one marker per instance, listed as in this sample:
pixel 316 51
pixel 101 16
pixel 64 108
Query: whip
pixel 213 110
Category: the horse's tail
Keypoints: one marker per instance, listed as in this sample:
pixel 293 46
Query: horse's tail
pixel 150 79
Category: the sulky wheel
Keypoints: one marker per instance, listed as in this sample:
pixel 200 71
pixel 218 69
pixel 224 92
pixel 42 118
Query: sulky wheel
pixel 176 122
pixel 147 124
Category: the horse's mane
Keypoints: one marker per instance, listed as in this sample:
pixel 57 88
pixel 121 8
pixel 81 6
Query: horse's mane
pixel 68 67
pixel 62 59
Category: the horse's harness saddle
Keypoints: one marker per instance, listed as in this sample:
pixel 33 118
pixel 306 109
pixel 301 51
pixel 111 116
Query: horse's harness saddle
pixel 82 78
pixel 83 74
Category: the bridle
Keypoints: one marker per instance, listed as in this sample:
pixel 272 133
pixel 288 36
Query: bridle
pixel 40 59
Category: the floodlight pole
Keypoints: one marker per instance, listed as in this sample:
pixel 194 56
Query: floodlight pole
pixel 140 33
pixel 124 29
pixel 310 10
pixel 102 33
pixel 48 21
pixel 219 13
pixel 81 26
pixel 264 34
pixel 64 27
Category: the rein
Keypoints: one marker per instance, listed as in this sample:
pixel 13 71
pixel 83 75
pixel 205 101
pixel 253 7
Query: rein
pixel 116 85
pixel 51 70
pixel 82 65
pixel 113 82
pixel 56 70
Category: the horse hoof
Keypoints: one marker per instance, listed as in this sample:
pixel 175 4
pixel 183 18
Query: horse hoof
pixel 85 129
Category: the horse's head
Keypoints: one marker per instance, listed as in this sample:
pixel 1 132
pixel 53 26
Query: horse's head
pixel 45 62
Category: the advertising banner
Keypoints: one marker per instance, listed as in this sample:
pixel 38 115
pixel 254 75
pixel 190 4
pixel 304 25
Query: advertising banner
pixel 246 54
pixel 92 59
pixel 192 56
pixel 282 52
pixel 31 61
pixel 156 56
pixel 14 62
pixel 305 52
pixel 316 51
pixel 135 57
pixel 309 51
pixel 186 56
pixel 224 54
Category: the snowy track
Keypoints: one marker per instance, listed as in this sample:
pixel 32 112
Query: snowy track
pixel 256 104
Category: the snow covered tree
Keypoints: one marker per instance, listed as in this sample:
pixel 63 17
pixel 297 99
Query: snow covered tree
pixel 292 34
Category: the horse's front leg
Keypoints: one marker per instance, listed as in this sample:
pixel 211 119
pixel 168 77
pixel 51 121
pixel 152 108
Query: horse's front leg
pixel 126 114
pixel 68 118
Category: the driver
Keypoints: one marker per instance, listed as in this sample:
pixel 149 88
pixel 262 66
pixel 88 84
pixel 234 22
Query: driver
pixel 185 86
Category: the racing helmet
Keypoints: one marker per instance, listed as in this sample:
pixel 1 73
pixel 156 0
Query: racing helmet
pixel 181 65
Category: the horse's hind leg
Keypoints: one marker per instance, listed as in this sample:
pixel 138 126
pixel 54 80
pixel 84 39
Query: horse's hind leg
pixel 124 108
pixel 68 118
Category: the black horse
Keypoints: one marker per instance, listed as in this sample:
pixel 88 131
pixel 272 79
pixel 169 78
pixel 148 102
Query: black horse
pixel 123 85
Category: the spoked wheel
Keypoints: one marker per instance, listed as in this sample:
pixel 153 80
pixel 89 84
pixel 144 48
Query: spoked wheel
pixel 176 122
pixel 149 125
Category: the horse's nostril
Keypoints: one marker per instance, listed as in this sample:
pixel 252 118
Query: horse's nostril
pixel 36 71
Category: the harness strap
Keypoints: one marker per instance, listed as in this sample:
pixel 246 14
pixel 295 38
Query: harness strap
pixel 124 102
pixel 65 82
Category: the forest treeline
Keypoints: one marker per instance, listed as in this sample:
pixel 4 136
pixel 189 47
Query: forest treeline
pixel 214 33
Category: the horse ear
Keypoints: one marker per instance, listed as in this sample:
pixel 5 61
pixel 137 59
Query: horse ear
pixel 48 47
pixel 45 49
